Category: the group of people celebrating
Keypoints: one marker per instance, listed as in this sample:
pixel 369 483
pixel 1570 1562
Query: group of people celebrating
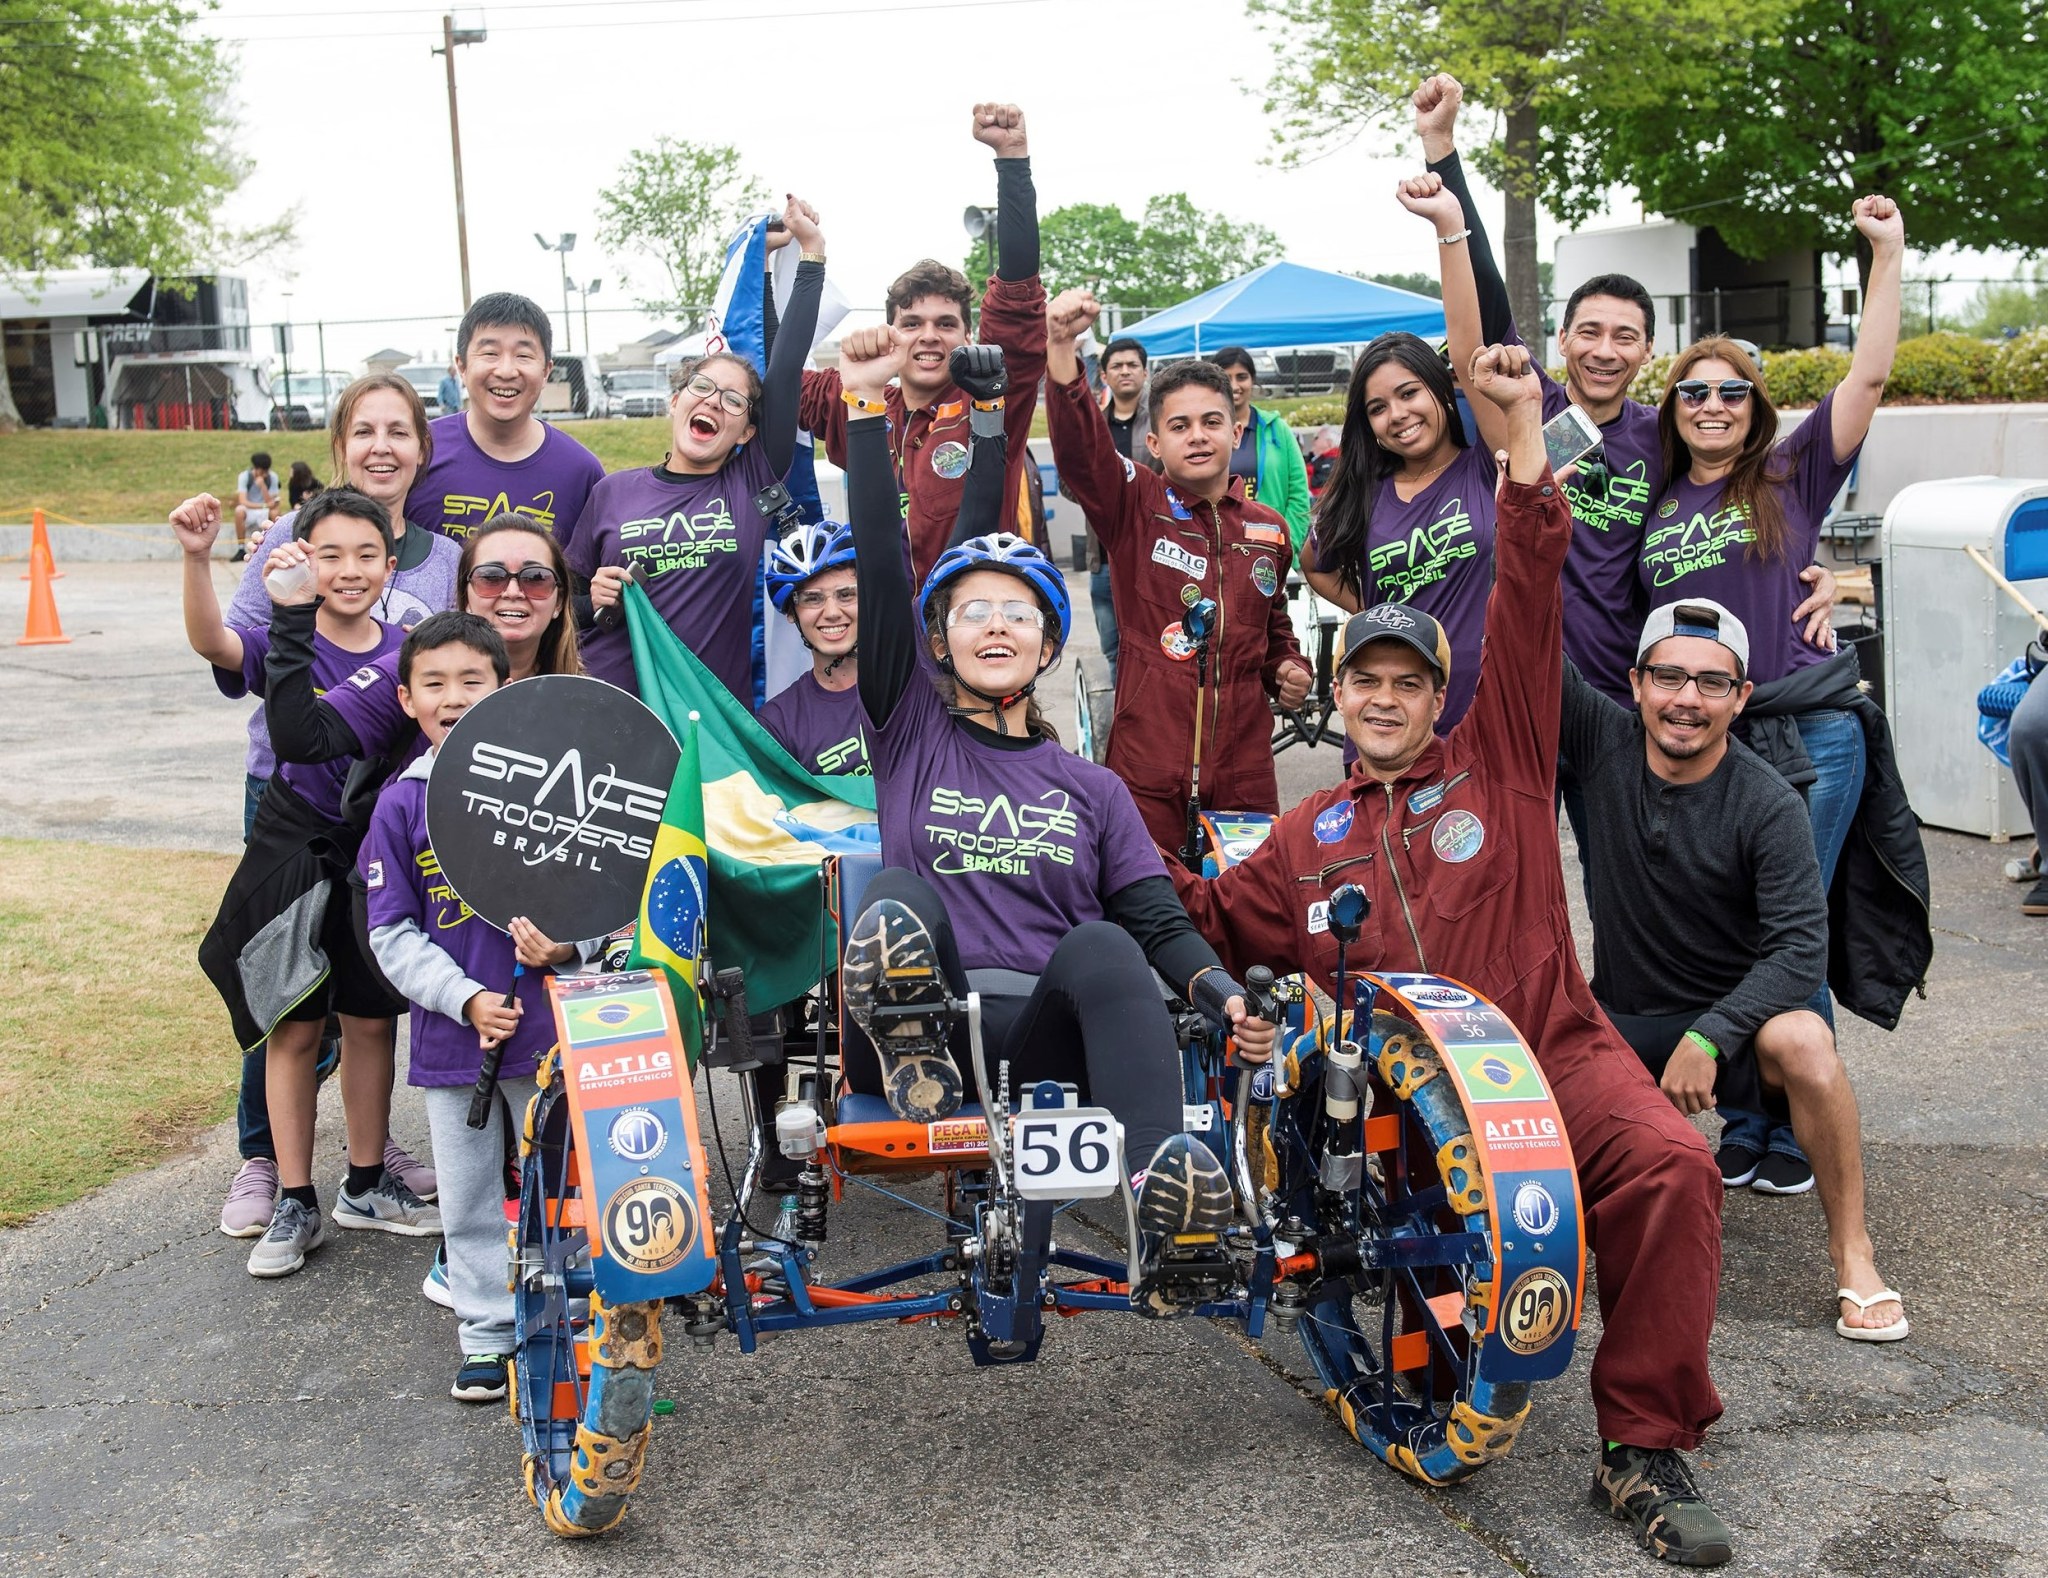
pixel 1635 638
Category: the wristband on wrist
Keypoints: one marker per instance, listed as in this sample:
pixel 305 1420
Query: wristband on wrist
pixel 1451 241
pixel 1703 1044
pixel 865 406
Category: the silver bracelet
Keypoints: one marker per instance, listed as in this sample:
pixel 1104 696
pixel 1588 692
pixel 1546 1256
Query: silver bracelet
pixel 1451 241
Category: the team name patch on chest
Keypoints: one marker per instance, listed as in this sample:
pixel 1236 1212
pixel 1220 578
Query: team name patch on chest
pixel 1458 837
pixel 1171 554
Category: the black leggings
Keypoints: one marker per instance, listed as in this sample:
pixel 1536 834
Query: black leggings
pixel 1095 1018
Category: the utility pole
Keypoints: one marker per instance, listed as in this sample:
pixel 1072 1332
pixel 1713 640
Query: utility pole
pixel 451 35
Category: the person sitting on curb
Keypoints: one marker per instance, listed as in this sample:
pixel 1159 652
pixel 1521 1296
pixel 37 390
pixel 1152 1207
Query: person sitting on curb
pixel 1713 992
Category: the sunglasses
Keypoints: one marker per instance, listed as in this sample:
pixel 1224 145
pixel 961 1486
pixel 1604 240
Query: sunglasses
pixel 700 385
pixel 981 611
pixel 812 597
pixel 535 580
pixel 1714 684
pixel 1694 391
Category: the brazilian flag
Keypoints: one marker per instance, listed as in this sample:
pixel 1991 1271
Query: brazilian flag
pixel 767 827
pixel 670 933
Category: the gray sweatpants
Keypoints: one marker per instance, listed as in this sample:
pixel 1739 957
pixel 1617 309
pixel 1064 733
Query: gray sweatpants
pixel 2029 744
pixel 470 1164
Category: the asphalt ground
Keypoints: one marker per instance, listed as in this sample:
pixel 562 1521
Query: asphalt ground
pixel 161 1412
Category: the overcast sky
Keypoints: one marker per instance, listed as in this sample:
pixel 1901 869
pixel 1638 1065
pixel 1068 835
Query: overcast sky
pixel 862 109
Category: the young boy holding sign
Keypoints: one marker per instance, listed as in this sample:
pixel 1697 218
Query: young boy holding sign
pixel 455 967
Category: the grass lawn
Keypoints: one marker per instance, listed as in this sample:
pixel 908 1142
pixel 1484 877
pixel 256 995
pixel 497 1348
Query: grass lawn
pixel 113 1047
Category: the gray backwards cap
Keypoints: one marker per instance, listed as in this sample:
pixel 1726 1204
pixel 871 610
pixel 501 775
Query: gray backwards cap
pixel 1700 617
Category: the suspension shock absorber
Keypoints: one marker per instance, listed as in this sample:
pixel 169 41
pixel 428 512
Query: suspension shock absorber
pixel 1343 1079
pixel 813 1191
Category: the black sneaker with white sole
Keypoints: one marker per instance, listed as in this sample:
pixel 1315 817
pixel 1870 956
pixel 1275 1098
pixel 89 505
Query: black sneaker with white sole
pixel 1738 1164
pixel 480 1380
pixel 1184 1204
pixel 1778 1173
pixel 896 992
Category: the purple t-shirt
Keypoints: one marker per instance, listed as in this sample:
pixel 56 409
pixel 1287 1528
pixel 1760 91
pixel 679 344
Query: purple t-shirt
pixel 1435 552
pixel 1603 617
pixel 404 882
pixel 361 686
pixel 1023 845
pixel 463 487
pixel 697 544
pixel 410 595
pixel 1696 547
pixel 826 730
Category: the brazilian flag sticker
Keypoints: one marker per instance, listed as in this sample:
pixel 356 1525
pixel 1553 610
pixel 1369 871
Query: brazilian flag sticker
pixel 1500 1072
pixel 632 1015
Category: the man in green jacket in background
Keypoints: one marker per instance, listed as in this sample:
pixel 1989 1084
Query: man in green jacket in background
pixel 1267 457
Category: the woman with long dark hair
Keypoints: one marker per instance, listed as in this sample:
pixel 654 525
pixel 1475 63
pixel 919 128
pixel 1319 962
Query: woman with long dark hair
pixel 1408 513
pixel 514 574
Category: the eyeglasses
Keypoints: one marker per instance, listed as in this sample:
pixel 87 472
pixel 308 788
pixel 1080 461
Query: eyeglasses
pixel 981 611
pixel 535 580
pixel 700 385
pixel 1714 684
pixel 813 597
pixel 1694 391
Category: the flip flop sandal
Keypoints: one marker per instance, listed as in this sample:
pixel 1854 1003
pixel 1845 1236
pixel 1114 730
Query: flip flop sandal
pixel 1892 1333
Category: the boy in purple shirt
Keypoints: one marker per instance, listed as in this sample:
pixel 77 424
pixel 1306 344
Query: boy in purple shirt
pixel 454 967
pixel 818 718
pixel 496 456
pixel 283 949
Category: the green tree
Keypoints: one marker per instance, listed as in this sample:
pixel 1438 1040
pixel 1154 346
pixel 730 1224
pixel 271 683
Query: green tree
pixel 1346 65
pixel 1939 106
pixel 1175 251
pixel 2007 306
pixel 1421 284
pixel 679 203
pixel 113 142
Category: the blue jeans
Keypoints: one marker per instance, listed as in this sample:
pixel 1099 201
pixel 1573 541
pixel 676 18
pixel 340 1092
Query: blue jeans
pixel 1834 741
pixel 1105 617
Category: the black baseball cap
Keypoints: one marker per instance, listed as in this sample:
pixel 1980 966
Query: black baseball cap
pixel 1398 622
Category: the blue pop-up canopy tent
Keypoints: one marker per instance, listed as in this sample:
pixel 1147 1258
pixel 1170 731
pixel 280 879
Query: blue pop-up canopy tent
pixel 1286 304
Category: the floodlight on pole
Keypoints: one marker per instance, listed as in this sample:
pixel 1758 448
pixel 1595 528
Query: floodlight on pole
pixel 451 35
pixel 980 225
pixel 587 292
pixel 562 249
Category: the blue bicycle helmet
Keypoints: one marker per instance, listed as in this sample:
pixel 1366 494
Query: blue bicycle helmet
pixel 807 551
pixel 1001 551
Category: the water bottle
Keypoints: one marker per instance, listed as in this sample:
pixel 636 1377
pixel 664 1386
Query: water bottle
pixel 289 580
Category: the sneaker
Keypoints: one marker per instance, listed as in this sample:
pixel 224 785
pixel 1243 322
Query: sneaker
pixel 388 1207
pixel 480 1380
pixel 1184 1203
pixel 1654 1491
pixel 434 1289
pixel 2025 870
pixel 252 1198
pixel 2036 901
pixel 1778 1173
pixel 415 1174
pixel 1738 1165
pixel 236 558
pixel 295 1231
pixel 897 994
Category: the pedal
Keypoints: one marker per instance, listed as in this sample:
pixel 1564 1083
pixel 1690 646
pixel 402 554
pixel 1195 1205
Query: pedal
pixel 1188 1270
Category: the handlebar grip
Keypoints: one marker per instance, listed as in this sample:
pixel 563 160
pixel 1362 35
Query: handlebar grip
pixel 1259 996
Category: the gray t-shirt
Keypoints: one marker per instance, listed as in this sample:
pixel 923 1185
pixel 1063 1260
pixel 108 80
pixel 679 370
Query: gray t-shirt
pixel 1706 897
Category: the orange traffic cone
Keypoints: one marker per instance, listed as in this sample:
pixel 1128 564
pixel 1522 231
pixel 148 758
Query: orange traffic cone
pixel 44 628
pixel 39 548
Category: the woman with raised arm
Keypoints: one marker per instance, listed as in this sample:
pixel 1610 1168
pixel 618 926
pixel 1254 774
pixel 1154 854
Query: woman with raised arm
pixel 1007 853
pixel 692 529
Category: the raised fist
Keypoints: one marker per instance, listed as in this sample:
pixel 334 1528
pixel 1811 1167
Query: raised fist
pixel 1879 219
pixel 801 220
pixel 1426 196
pixel 1068 315
pixel 869 358
pixel 196 523
pixel 1436 114
pixel 1504 374
pixel 979 371
pixel 1001 127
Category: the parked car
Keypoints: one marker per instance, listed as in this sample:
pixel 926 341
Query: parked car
pixel 575 388
pixel 303 400
pixel 639 391
pixel 425 377
pixel 1316 369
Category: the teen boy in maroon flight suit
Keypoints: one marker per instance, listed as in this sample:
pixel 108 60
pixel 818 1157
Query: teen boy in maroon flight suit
pixel 1455 840
pixel 928 432
pixel 1171 539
